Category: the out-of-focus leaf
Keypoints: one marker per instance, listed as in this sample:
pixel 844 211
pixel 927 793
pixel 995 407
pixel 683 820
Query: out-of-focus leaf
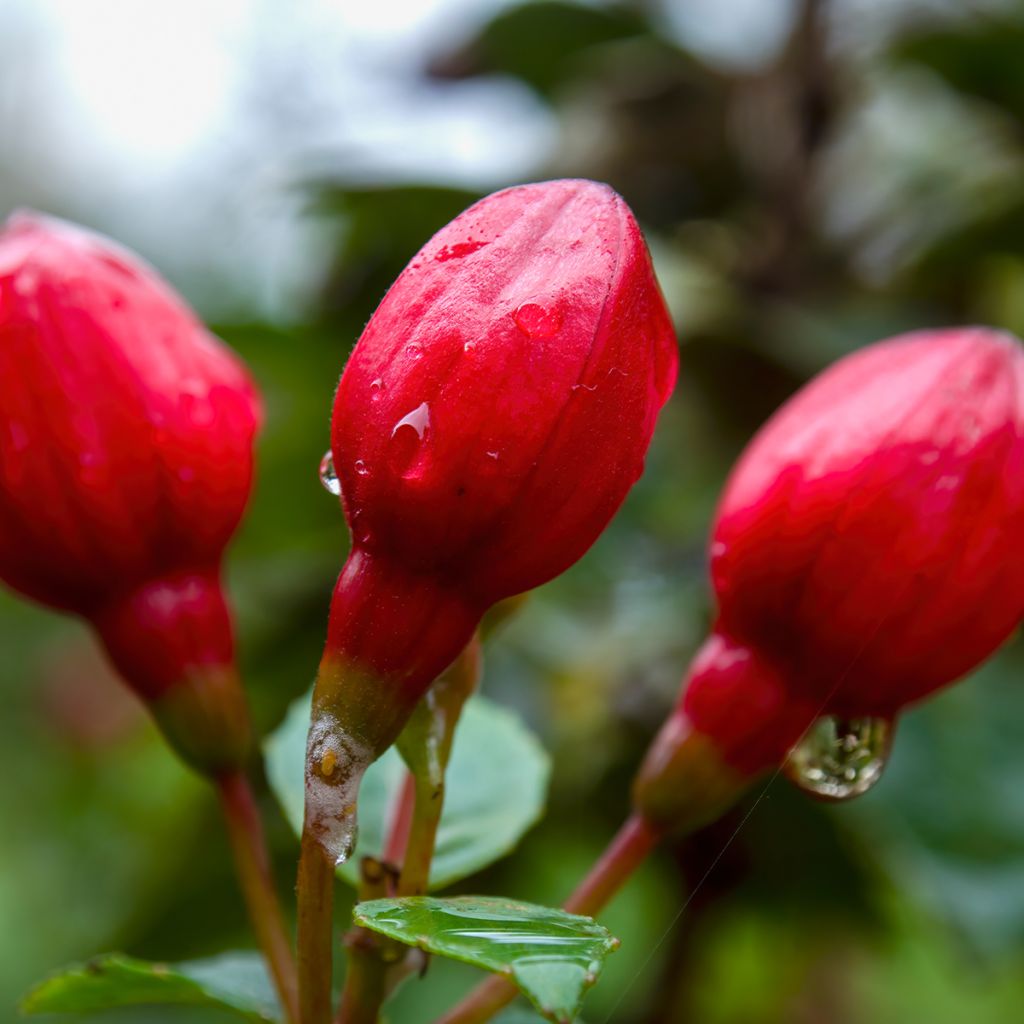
pixel 520 1015
pixel 947 819
pixel 539 43
pixel 382 229
pixel 552 956
pixel 983 59
pixel 496 789
pixel 234 982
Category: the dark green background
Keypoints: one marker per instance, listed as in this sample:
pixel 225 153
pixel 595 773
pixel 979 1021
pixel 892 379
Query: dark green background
pixel 831 198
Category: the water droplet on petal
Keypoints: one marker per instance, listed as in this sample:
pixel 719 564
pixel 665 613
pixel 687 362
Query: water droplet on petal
pixel 418 420
pixel 493 455
pixel 328 474
pixel 408 438
pixel 469 346
pixel 376 387
pixel 840 758
pixel 361 468
pixel 536 321
pixel 414 349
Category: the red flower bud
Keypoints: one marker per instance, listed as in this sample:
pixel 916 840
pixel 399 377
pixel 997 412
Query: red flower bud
pixel 126 437
pixel 491 420
pixel 868 549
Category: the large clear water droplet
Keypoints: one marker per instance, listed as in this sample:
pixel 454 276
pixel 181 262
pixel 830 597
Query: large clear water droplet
pixel 329 475
pixel 840 758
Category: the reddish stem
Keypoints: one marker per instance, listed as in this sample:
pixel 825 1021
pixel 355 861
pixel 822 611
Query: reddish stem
pixel 245 831
pixel 401 823
pixel 316 906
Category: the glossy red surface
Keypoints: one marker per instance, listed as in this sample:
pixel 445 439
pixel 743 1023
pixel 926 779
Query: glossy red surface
pixel 126 435
pixel 497 410
pixel 869 545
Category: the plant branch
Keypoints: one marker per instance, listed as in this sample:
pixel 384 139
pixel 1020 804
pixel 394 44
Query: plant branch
pixel 375 967
pixel 245 832
pixel 316 905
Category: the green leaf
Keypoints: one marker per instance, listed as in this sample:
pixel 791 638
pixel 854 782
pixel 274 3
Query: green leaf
pixel 551 955
pixel 236 982
pixel 496 789
pixel 520 1015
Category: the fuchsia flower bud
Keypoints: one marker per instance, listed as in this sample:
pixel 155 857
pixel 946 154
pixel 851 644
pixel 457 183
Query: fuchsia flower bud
pixel 868 549
pixel 126 435
pixel 491 420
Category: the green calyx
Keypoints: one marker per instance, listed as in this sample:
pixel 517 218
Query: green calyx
pixel 205 719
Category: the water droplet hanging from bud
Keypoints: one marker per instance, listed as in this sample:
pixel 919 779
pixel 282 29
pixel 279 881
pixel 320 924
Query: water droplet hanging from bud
pixel 840 758
pixel 329 475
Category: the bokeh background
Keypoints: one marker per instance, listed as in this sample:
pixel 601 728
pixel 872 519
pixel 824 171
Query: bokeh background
pixel 812 176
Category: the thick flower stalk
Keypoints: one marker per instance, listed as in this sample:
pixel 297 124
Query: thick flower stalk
pixel 492 418
pixel 868 550
pixel 126 437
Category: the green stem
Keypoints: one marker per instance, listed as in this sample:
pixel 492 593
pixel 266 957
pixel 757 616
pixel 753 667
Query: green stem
pixel 245 832
pixel 626 852
pixel 366 984
pixel 316 905
pixel 419 850
pixel 425 744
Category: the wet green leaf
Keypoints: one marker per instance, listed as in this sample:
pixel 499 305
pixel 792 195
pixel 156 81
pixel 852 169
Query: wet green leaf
pixel 552 956
pixel 234 982
pixel 496 789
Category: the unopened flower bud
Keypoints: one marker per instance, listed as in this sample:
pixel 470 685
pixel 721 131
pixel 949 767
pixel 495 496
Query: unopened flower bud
pixel 492 418
pixel 868 550
pixel 126 436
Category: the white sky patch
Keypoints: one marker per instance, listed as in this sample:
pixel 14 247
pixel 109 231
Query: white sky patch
pixel 152 79
pixel 189 129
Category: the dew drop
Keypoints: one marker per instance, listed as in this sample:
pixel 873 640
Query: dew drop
pixel 493 455
pixel 328 474
pixel 840 758
pixel 414 349
pixel 407 452
pixel 536 321
pixel 361 468
pixel 418 420
pixel 468 347
pixel 376 387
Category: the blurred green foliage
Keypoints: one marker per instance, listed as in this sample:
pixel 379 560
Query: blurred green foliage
pixel 853 186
